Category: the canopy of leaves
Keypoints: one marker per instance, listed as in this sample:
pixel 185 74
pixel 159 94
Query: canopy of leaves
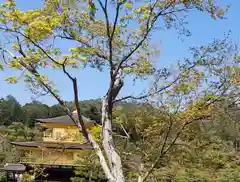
pixel 169 137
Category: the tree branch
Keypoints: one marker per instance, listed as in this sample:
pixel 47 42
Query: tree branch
pixel 149 27
pixel 159 90
pixel 149 94
pixel 81 123
pixel 142 179
pixel 88 136
pixel 124 130
pixel 163 152
pixel 86 44
pixel 104 9
pixel 95 146
pixel 111 37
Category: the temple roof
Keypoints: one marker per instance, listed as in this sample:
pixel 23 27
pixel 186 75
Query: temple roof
pixel 14 167
pixel 52 145
pixel 65 120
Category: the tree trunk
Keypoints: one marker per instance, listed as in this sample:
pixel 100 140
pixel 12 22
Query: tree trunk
pixel 102 160
pixel 108 144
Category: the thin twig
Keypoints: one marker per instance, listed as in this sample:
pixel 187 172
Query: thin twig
pixel 163 152
pixel 69 113
pixel 149 94
pixel 148 30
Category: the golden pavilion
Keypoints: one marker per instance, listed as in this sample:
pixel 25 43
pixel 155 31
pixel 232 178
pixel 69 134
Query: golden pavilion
pixel 58 150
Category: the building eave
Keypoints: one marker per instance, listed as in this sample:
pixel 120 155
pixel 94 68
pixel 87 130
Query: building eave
pixel 14 167
pixel 64 120
pixel 52 145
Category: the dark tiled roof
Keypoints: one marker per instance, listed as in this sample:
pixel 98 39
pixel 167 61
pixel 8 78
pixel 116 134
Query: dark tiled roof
pixel 14 167
pixel 53 145
pixel 64 120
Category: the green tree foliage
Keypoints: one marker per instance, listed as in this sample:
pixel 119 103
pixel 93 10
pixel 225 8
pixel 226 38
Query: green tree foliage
pixel 116 36
pixel 185 135
pixel 56 110
pixel 35 110
pixel 8 154
pixel 209 152
pixel 10 111
pixel 199 153
pixel 22 130
pixel 89 169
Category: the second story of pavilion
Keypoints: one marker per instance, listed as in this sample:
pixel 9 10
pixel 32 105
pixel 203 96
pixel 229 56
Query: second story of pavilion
pixel 63 129
pixel 61 142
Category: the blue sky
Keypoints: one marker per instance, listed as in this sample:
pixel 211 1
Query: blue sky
pixel 92 84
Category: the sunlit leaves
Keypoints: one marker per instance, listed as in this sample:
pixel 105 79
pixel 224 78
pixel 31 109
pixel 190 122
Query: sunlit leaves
pixel 123 41
pixel 190 81
pixel 14 63
pixel 236 78
pixel 74 5
pixel 128 5
pixel 9 4
pixel 1 67
pixel 38 30
pixel 194 156
pixel 71 3
pixel 235 74
pixel 82 50
pixel 89 167
pixel 35 84
pixel 128 70
pixel 12 79
pixel 44 24
pixel 96 133
pixel 56 51
pixel 92 9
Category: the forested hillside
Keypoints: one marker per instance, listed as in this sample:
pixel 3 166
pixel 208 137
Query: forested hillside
pixel 11 111
pixel 208 150
pixel 169 102
pixel 17 121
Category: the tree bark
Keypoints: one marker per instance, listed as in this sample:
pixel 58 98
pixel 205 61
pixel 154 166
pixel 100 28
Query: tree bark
pixel 114 159
pixel 108 144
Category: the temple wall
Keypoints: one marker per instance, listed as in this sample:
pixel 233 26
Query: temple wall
pixel 50 156
pixel 64 135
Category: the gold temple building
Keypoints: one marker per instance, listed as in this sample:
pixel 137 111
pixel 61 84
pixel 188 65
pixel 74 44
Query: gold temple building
pixel 57 151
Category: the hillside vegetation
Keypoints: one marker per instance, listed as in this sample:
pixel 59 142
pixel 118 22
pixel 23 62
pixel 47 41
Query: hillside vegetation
pixel 208 150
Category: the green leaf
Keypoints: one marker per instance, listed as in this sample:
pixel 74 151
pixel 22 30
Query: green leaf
pixel 92 9
pixel 12 79
pixel 127 70
pixel 56 51
pixel 1 67
pixel 128 5
pixel 83 58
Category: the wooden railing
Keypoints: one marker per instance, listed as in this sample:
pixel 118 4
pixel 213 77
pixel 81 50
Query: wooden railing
pixel 25 160
pixel 65 138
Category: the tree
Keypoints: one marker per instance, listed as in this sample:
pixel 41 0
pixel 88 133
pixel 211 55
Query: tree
pixel 194 156
pixel 56 110
pixel 226 122
pixel 120 42
pixel 20 131
pixel 89 169
pixel 35 110
pixel 10 111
